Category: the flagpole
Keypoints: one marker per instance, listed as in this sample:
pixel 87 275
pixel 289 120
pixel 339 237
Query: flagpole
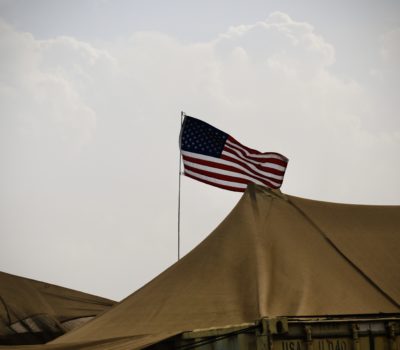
pixel 179 195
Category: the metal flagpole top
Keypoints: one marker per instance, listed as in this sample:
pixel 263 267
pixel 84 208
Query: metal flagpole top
pixel 179 195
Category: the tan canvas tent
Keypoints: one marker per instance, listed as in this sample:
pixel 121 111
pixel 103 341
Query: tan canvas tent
pixel 35 312
pixel 274 255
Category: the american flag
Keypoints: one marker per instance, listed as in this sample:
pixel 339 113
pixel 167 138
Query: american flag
pixel 216 158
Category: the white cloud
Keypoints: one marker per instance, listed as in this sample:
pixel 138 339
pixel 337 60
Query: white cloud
pixel 40 102
pixel 390 50
pixel 281 40
pixel 385 85
pixel 101 123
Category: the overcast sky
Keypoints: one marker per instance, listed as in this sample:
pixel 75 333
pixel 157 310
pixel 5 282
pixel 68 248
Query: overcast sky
pixel 90 99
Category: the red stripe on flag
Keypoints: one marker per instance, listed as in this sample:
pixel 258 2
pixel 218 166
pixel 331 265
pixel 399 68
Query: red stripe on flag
pixel 216 175
pixel 260 168
pixel 250 150
pixel 230 188
pixel 255 152
pixel 229 178
pixel 262 157
pixel 222 166
pixel 258 161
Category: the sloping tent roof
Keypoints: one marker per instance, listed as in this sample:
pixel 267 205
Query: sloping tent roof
pixel 36 312
pixel 274 255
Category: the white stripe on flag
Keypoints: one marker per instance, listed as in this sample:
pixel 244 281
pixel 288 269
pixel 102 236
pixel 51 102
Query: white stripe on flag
pixel 259 155
pixel 252 161
pixel 227 173
pixel 252 172
pixel 217 181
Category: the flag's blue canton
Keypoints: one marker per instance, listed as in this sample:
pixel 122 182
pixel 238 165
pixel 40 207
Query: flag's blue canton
pixel 200 137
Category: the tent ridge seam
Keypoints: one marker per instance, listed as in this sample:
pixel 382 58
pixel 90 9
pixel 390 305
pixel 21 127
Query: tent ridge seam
pixel 262 296
pixel 336 248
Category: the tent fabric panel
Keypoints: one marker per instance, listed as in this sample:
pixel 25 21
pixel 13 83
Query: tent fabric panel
pixel 35 312
pixel 265 259
pixel 126 343
pixel 369 236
